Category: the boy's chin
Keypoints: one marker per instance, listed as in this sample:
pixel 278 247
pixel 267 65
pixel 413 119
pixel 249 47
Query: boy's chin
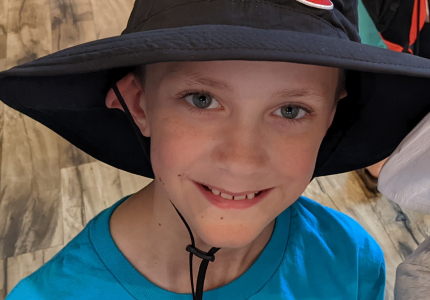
pixel 229 236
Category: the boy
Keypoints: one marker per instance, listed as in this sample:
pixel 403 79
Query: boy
pixel 240 118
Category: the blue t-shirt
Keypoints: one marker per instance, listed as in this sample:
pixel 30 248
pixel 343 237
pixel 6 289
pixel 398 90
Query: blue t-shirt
pixel 315 252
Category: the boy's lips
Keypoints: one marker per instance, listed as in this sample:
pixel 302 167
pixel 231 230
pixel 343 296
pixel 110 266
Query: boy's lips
pixel 222 203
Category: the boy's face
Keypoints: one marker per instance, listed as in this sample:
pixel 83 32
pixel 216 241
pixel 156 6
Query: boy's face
pixel 253 133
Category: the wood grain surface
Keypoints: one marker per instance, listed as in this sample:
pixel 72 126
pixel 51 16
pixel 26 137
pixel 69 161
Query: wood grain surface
pixel 49 189
pixel 3 35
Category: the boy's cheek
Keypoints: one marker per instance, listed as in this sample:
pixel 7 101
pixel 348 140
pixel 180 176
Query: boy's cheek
pixel 297 176
pixel 174 151
pixel 297 156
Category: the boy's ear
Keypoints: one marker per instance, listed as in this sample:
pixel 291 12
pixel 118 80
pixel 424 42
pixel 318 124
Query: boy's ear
pixel 343 93
pixel 131 92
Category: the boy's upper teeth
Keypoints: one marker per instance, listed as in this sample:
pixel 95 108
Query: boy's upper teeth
pixel 227 196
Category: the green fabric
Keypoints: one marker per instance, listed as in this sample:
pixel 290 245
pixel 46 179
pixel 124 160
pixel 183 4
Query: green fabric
pixel 367 30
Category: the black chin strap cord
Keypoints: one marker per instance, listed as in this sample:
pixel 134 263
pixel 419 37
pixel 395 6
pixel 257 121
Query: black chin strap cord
pixel 205 256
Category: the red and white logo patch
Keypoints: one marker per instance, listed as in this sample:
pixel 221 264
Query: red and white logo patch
pixel 321 4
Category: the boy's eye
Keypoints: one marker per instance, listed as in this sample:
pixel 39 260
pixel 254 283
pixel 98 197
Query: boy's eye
pixel 200 100
pixel 292 112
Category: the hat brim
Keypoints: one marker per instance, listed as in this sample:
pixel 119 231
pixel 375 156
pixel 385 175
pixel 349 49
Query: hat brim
pixel 388 92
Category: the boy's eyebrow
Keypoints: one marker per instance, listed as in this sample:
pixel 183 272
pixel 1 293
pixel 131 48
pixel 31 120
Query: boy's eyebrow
pixel 197 78
pixel 300 93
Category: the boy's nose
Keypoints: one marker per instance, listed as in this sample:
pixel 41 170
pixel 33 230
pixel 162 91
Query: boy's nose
pixel 242 151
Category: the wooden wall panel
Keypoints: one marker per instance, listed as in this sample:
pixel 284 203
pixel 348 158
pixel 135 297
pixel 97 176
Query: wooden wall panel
pixel 29 31
pixel 131 183
pixel 72 203
pixel 21 266
pixel 72 23
pixel 101 188
pixel 111 16
pixel 30 207
pixel 3 33
pixel 3 281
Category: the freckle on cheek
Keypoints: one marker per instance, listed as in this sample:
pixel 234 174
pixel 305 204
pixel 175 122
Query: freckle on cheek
pixel 222 218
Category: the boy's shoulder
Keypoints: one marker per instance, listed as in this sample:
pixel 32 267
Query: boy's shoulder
pixel 75 272
pixel 332 226
pixel 334 234
pixel 328 253
pixel 65 265
pixel 324 221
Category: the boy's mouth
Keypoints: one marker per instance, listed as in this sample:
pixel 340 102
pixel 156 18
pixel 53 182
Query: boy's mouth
pixel 230 197
pixel 225 201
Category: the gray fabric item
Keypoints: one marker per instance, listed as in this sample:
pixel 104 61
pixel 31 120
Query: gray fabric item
pixel 405 179
pixel 413 275
pixel 405 176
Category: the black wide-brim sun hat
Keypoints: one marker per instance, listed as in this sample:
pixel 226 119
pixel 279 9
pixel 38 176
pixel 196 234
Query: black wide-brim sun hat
pixel 388 92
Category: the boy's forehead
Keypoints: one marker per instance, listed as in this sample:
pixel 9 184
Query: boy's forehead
pixel 191 69
pixel 205 73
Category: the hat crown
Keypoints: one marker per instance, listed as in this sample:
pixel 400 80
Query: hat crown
pixel 294 15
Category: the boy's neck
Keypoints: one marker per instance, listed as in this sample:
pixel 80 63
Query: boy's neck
pixel 154 247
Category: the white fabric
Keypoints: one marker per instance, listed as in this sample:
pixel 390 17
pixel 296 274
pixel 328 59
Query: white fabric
pixel 405 176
